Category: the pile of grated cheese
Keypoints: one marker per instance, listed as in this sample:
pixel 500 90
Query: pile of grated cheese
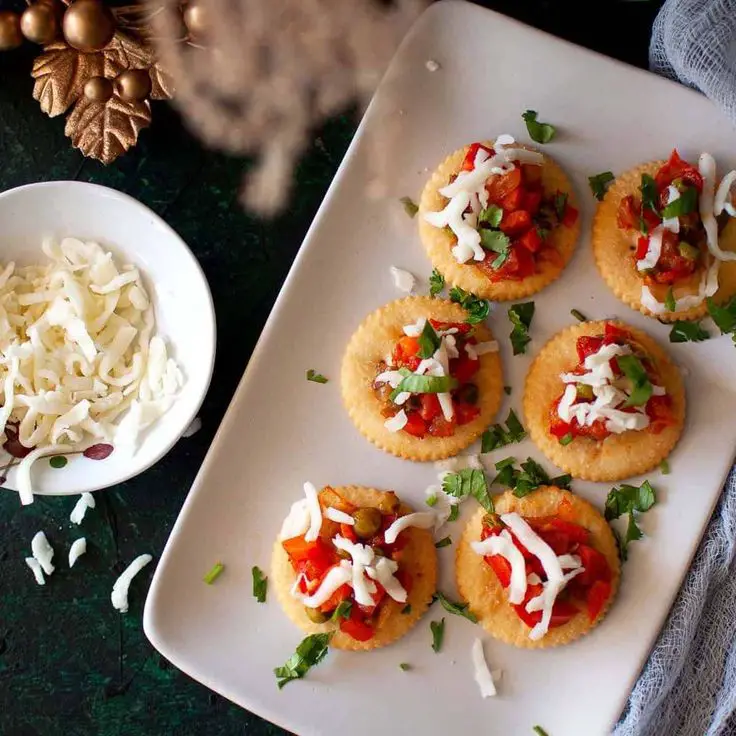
pixel 79 361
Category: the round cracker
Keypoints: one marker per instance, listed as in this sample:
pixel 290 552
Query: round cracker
pixel 620 455
pixel 438 242
pixel 419 557
pixel 479 586
pixel 373 340
pixel 613 249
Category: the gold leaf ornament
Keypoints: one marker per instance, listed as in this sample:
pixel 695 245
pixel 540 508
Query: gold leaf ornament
pixel 106 130
pixel 61 73
pixel 124 52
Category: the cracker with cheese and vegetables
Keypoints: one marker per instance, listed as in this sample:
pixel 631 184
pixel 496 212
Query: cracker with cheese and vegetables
pixel 355 562
pixel 660 240
pixel 603 401
pixel 541 571
pixel 499 219
pixel 419 381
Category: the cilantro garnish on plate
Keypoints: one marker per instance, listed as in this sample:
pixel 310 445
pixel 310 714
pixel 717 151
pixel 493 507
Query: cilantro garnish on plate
pixel 499 436
pixel 629 500
pixel 521 316
pixel 260 584
pixel 476 308
pixel 310 652
pixel 599 183
pixel 538 132
pixel 315 377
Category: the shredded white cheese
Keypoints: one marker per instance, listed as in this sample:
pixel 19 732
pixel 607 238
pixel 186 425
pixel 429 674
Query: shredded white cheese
pixel 383 572
pixel 36 569
pixel 315 513
pixel 43 552
pixel 396 422
pixel 340 517
pixel 403 280
pixel 482 348
pixel 336 577
pixel 86 501
pixel 482 674
pixel 708 287
pixel 421 519
pixel 297 521
pixel 723 195
pixel 502 544
pixel 415 329
pixel 77 353
pixel 119 595
pixel 78 548
pixel 654 249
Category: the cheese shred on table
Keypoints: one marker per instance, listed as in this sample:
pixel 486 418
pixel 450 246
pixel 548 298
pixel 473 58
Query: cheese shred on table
pixel 79 361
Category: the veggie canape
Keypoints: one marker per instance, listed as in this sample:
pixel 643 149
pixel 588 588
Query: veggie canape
pixel 656 240
pixel 541 571
pixel 498 219
pixel 357 562
pixel 603 401
pixel 419 381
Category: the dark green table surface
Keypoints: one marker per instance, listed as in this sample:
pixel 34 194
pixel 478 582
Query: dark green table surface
pixel 69 663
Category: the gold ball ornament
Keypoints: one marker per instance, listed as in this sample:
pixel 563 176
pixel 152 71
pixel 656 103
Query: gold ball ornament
pixel 195 19
pixel 98 89
pixel 88 25
pixel 40 23
pixel 10 35
pixel 133 85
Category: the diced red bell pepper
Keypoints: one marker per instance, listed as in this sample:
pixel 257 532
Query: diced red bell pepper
pixel 614 334
pixel 440 427
pixel 501 566
pixel 531 175
pixel 311 558
pixel 569 216
pixel 518 265
pixel 347 531
pixel 562 611
pixel 406 580
pixel 502 185
pixel 514 200
pixel 356 627
pixel 465 413
pixel 598 594
pixel 659 411
pixel 464 368
pixel 531 240
pixel 343 592
pixel 575 533
pixel 559 428
pixel 677 168
pixel 627 217
pixel 642 246
pixel 469 161
pixel 430 407
pixel 588 345
pixel 415 425
pixel 595 564
pixel 515 223
pixel 532 201
pixel 652 219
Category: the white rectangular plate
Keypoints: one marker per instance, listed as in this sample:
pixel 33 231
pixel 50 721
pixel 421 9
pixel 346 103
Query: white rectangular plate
pixel 281 430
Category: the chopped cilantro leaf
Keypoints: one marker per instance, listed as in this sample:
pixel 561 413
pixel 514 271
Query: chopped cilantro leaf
pixel 476 308
pixel 459 609
pixel 687 332
pixel 686 203
pixel 560 202
pixel 627 500
pixel 404 667
pixel 566 439
pixel 436 283
pixel 521 316
pixel 599 183
pixel 468 482
pixel 410 207
pixel 454 512
pixel 406 609
pixel 342 611
pixel 540 731
pixel 497 436
pixel 634 371
pixel 438 634
pixel 649 194
pixel 431 500
pixel 724 316
pixel 664 467
pixel 444 542
pixel 538 132
pixel 429 341
pixel 579 316
pixel 310 652
pixel 491 216
pixel 562 481
pixel 260 584
pixel 312 375
pixel 495 240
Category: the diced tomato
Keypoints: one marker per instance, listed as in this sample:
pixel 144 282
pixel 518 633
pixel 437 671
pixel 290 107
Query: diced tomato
pixel 531 240
pixel 596 431
pixel 465 413
pixel 336 598
pixel 614 334
pixel 501 185
pixel 595 564
pixel 642 246
pixel 440 427
pixel 515 223
pixel 356 626
pixel 430 407
pixel 469 161
pixel 562 611
pixel 464 368
pixel 415 425
pixel 532 201
pixel 406 580
pixel 659 411
pixel 652 219
pixel 406 347
pixel 627 217
pixel 461 327
pixel 514 200
pixel 518 265
pixel 670 276
pixel 311 558
pixel 588 345
pixel 569 216
pixel 677 168
pixel 574 532
pixel 598 594
pixel 559 428
pixel 347 531
pixel 502 567
pixel 531 174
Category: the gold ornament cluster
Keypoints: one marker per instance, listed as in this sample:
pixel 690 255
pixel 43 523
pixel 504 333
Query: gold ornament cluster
pixel 96 65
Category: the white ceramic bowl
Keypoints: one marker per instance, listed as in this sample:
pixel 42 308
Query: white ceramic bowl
pixel 182 301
